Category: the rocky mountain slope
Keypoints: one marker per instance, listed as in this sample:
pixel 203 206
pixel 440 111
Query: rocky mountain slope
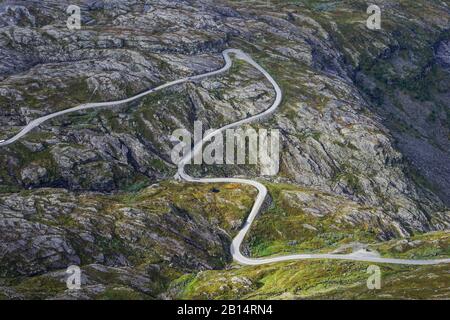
pixel 364 125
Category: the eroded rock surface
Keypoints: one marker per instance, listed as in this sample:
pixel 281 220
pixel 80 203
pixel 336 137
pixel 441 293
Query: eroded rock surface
pixel 364 122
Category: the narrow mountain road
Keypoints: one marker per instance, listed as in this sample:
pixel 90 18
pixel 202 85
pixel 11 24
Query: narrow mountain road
pixel 262 190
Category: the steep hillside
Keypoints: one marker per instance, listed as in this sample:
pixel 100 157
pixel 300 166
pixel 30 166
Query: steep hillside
pixel 365 145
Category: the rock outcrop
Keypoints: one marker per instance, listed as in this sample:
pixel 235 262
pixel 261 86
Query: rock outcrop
pixel 364 119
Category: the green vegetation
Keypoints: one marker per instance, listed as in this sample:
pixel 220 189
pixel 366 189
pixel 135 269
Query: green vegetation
pixel 136 187
pixel 74 92
pixel 299 220
pixel 290 226
pixel 232 201
pixel 40 287
pixel 324 279
pixel 121 293
pixel 433 245
pixel 173 212
pixel 302 220
pixel 25 158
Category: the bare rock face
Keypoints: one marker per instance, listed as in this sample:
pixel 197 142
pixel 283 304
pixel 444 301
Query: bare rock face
pixel 16 15
pixel 163 231
pixel 364 118
pixel 443 54
pixel 50 229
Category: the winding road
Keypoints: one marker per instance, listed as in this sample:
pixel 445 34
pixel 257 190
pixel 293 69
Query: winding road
pixel 360 255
